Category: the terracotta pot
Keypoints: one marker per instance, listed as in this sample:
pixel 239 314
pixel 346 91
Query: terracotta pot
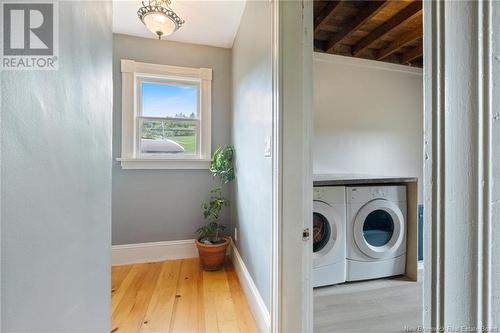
pixel 212 255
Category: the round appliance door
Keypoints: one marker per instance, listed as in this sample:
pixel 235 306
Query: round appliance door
pixel 327 229
pixel 379 228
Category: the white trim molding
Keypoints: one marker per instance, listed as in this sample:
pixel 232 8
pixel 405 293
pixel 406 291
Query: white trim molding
pixel 492 172
pixel 365 63
pixel 151 252
pixel 292 295
pixel 133 73
pixel 254 299
pixel 276 285
pixel 461 170
pixel 154 163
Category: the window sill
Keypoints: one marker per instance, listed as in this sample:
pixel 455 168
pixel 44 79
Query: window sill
pixel 158 164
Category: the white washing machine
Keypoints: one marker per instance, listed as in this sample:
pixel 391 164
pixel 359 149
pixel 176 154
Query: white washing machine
pixel 329 237
pixel 376 232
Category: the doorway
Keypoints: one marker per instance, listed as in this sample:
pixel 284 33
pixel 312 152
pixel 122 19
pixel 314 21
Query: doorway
pixel 367 139
pixel 459 180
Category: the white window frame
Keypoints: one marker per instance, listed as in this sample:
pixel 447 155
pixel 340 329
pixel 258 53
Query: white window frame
pixel 133 73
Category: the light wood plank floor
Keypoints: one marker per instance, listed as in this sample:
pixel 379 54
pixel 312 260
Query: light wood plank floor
pixel 177 296
pixel 384 305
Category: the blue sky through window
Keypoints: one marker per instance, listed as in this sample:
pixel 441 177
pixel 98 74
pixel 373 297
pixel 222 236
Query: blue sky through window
pixel 169 100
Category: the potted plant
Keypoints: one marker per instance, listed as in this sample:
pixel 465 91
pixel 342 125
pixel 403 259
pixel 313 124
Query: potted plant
pixel 212 243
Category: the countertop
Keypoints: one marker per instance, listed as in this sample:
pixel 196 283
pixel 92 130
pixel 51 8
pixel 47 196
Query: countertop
pixel 357 179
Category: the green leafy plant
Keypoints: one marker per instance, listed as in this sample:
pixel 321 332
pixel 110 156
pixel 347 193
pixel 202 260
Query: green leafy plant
pixel 222 164
pixel 222 168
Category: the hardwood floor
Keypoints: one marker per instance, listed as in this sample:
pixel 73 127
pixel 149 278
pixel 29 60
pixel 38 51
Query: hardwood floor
pixel 384 305
pixel 177 296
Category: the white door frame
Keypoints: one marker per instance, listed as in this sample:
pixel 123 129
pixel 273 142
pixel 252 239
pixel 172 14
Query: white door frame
pixel 461 166
pixel 292 296
pixel 276 273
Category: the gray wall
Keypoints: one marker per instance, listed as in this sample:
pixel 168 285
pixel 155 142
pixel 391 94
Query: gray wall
pixel 251 125
pixel 161 205
pixel 56 182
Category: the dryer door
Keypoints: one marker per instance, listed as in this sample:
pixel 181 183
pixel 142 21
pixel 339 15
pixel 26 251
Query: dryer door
pixel 327 229
pixel 379 228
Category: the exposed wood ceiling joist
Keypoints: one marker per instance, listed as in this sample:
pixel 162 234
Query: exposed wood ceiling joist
pixel 407 13
pixel 402 41
pixel 325 14
pixel 411 54
pixel 371 9
pixel 389 31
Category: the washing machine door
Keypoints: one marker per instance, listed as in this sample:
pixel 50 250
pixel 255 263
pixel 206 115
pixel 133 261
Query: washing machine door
pixel 379 228
pixel 327 229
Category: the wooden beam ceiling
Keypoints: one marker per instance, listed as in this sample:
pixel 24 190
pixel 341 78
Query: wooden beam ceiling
pixel 389 30
pixel 400 42
pixel 407 13
pixel 325 14
pixel 371 9
pixel 412 54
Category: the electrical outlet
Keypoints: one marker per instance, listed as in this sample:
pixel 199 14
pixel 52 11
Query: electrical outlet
pixel 235 234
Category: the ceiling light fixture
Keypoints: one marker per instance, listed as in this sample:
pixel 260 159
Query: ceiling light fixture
pixel 159 18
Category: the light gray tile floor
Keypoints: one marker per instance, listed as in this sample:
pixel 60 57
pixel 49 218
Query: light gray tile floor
pixel 383 305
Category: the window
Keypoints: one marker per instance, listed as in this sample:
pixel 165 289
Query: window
pixel 166 113
pixel 168 117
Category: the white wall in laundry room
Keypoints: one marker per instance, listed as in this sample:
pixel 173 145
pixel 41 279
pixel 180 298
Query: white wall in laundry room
pixel 368 117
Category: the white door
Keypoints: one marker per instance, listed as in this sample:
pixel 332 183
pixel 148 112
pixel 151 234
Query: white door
pixel 292 300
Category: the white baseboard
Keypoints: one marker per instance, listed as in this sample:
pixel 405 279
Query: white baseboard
pixel 151 252
pixel 254 299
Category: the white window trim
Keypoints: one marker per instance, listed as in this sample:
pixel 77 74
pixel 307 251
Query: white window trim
pixel 130 157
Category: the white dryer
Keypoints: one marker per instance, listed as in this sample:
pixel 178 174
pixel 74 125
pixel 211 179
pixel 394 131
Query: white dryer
pixel 329 237
pixel 376 231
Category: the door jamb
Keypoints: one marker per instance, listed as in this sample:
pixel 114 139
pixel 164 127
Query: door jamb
pixel 291 300
pixel 275 310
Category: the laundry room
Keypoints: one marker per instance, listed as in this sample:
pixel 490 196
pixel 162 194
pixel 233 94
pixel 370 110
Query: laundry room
pixel 368 166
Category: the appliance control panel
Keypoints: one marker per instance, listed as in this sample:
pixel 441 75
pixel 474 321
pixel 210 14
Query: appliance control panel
pixel 318 193
pixel 367 193
pixel 378 192
pixel 332 195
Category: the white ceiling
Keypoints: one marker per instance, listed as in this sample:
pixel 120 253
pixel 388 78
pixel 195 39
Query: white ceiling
pixel 208 22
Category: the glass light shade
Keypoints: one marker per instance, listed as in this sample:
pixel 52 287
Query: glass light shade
pixel 159 24
pixel 159 18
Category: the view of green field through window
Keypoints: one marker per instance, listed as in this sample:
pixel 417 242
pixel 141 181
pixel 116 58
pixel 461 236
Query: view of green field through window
pixel 169 118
